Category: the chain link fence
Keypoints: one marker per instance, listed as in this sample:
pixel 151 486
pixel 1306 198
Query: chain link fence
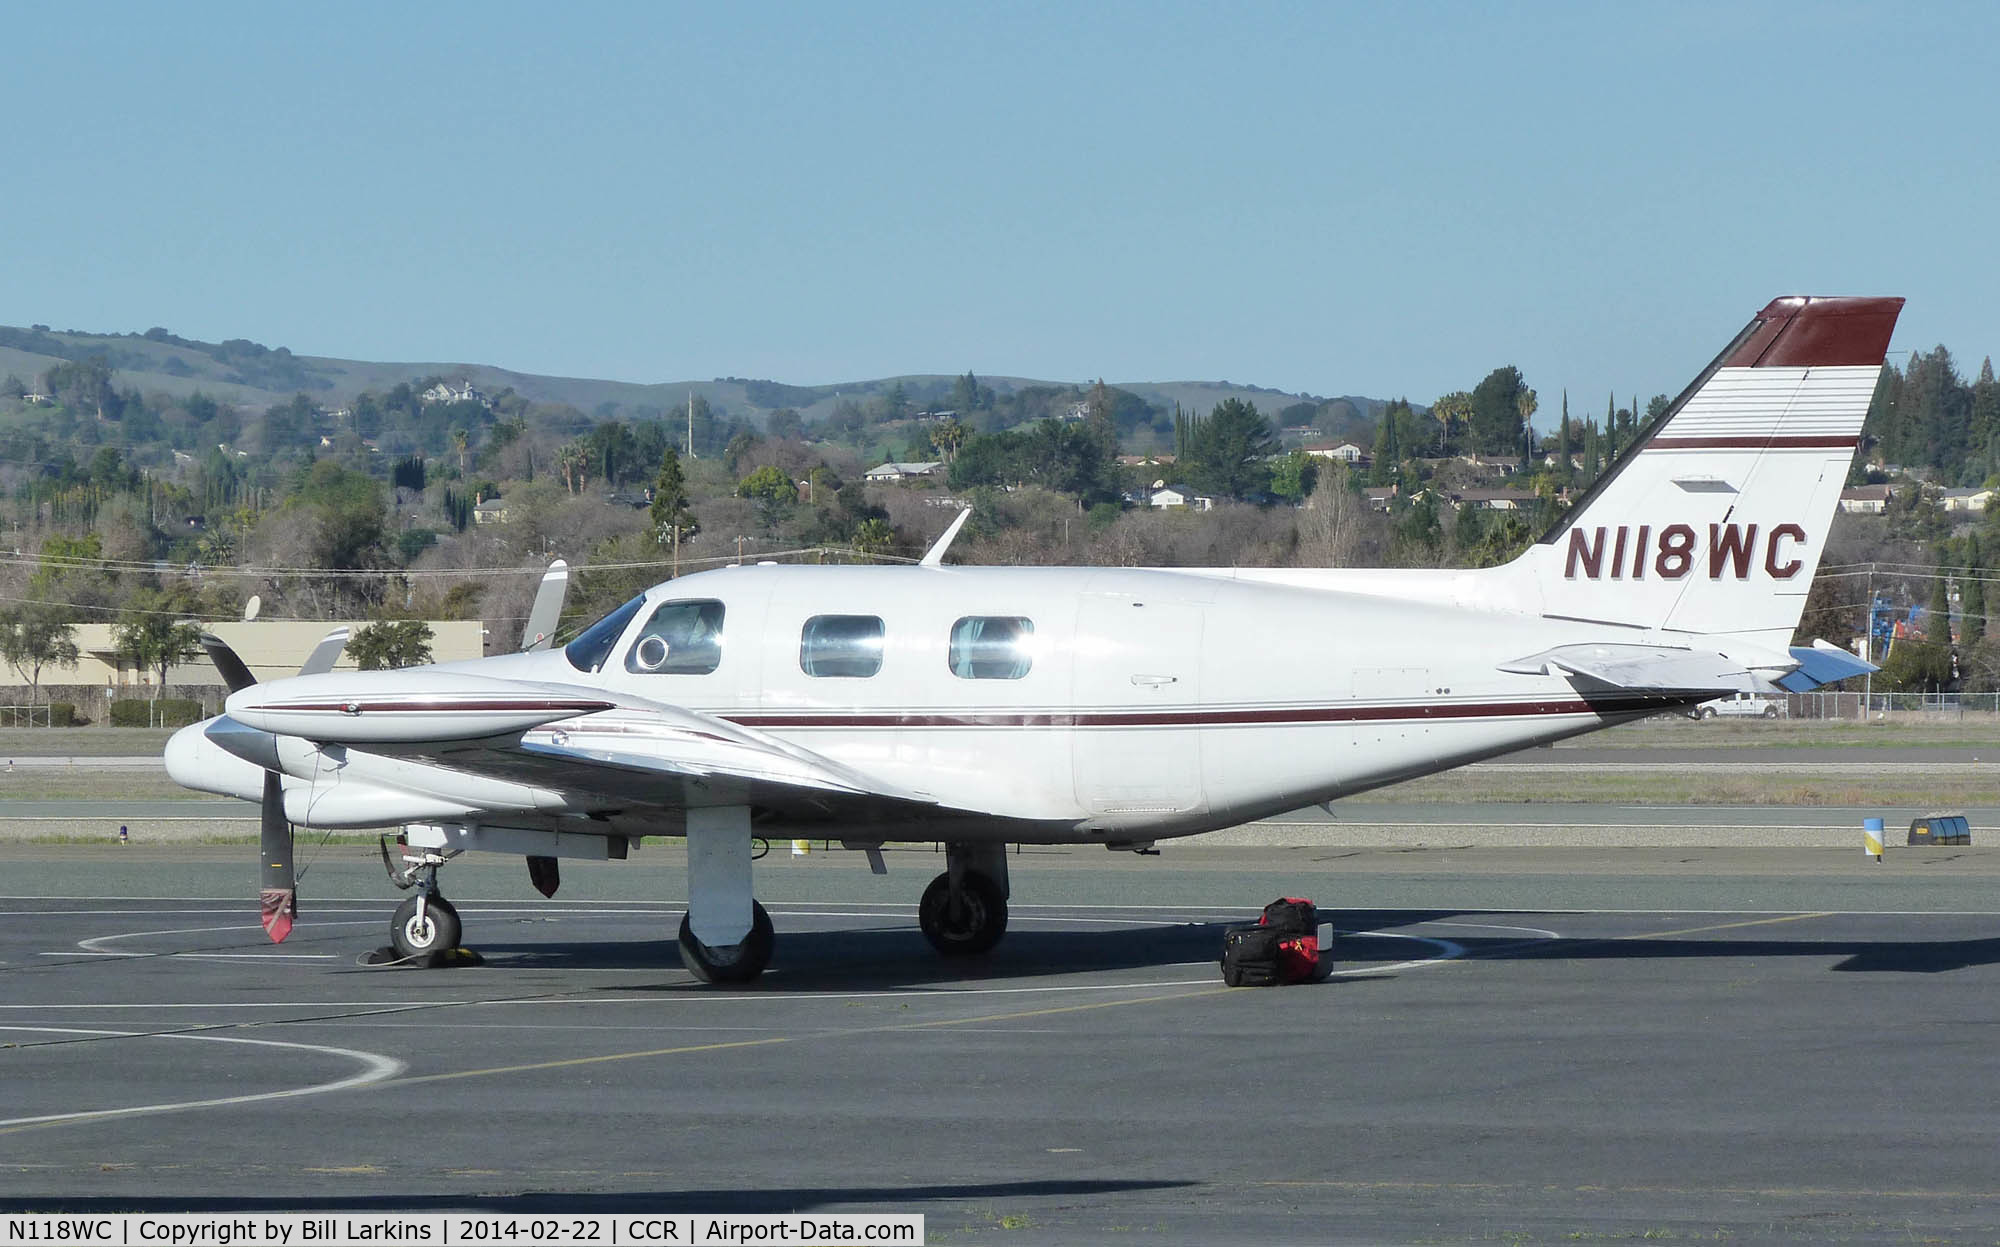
pixel 1881 707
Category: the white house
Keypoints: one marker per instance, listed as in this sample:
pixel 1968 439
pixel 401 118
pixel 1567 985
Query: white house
pixel 1966 499
pixel 1346 451
pixel 901 471
pixel 445 392
pixel 1179 496
pixel 1865 499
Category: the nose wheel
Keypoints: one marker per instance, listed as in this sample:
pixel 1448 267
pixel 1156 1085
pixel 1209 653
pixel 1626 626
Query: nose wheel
pixel 966 920
pixel 425 923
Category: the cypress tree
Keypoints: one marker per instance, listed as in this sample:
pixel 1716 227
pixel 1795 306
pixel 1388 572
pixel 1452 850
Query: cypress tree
pixel 1937 616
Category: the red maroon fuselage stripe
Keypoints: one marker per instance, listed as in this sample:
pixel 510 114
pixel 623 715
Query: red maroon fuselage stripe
pixel 1819 333
pixel 1196 717
pixel 576 707
pixel 1755 441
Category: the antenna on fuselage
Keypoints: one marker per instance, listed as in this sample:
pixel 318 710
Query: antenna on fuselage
pixel 934 557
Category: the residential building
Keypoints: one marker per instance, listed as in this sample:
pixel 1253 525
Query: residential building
pixel 903 471
pixel 1865 499
pixel 1179 496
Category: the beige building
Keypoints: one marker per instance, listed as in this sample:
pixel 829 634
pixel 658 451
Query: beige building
pixel 271 648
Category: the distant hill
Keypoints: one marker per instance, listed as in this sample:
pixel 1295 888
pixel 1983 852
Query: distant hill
pixel 252 375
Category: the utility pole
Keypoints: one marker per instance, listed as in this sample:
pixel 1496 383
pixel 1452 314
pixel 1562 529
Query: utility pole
pixel 1868 647
pixel 690 424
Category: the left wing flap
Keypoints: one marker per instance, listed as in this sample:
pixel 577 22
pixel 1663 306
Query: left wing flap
pixel 1642 667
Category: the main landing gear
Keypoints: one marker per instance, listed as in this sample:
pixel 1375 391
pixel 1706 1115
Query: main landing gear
pixel 726 936
pixel 964 910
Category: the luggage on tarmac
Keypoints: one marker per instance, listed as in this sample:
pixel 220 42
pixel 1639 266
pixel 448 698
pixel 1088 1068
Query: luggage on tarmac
pixel 1250 955
pixel 1281 947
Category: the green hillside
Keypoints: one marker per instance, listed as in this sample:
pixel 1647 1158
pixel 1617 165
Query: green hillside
pixel 252 375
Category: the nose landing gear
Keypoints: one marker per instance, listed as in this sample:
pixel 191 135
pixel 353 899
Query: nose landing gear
pixel 426 923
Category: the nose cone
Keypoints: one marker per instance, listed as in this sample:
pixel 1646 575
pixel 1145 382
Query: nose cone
pixel 183 755
pixel 194 761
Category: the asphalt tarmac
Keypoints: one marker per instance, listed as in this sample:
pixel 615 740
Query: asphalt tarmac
pixel 1523 1044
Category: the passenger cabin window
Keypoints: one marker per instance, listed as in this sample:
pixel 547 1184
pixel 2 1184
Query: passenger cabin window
pixel 991 647
pixel 593 645
pixel 845 647
pixel 682 638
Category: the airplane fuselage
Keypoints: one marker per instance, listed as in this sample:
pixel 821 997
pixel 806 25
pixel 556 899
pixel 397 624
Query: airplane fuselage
pixel 1040 705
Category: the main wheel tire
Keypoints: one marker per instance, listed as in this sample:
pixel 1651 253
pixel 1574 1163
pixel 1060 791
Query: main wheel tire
pixel 436 931
pixel 736 963
pixel 1770 712
pixel 1708 712
pixel 977 923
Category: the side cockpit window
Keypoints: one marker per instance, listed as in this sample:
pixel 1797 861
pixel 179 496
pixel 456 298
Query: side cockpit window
pixel 992 647
pixel 841 646
pixel 682 638
pixel 593 645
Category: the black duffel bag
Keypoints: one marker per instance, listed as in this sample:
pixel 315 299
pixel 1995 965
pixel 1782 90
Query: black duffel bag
pixel 1250 955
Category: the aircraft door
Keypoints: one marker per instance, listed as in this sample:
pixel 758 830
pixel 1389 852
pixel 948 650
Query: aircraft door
pixel 1135 681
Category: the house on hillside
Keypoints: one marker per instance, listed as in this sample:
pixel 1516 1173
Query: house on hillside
pixel 1179 496
pixel 1865 499
pixel 491 511
pixel 1965 499
pixel 1347 452
pixel 463 392
pixel 902 471
pixel 1380 496
pixel 1494 499
pixel 1502 465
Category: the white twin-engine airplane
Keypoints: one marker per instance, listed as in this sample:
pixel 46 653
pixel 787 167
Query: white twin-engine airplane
pixel 987 706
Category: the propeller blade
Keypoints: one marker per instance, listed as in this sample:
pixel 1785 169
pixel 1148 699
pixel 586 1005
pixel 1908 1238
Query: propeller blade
pixel 544 874
pixel 325 654
pixel 232 669
pixel 280 899
pixel 541 630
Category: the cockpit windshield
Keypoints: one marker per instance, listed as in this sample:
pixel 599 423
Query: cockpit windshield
pixel 593 645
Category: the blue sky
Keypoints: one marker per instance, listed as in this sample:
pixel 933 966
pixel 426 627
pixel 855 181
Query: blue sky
pixel 1376 199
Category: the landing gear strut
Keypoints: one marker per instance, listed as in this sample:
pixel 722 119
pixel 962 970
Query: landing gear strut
pixel 426 923
pixel 964 910
pixel 726 935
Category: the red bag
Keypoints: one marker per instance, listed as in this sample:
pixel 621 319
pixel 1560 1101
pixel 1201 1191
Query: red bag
pixel 1297 921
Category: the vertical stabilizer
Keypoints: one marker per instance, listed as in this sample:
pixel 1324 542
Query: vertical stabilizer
pixel 1713 521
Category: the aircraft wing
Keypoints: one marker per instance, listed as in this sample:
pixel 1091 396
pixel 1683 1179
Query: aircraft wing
pixel 608 750
pixel 1647 668
pixel 666 757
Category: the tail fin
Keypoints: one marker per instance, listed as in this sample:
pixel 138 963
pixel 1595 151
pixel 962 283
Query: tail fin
pixel 1713 521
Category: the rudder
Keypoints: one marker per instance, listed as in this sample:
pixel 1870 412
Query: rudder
pixel 1714 520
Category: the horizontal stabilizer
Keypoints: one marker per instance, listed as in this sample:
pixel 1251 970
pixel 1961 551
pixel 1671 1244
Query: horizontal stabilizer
pixel 1822 663
pixel 1652 668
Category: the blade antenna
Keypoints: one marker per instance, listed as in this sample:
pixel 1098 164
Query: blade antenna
pixel 547 610
pixel 934 557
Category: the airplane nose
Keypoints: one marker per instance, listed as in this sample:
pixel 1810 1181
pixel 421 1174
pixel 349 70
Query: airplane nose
pixel 183 755
pixel 194 760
